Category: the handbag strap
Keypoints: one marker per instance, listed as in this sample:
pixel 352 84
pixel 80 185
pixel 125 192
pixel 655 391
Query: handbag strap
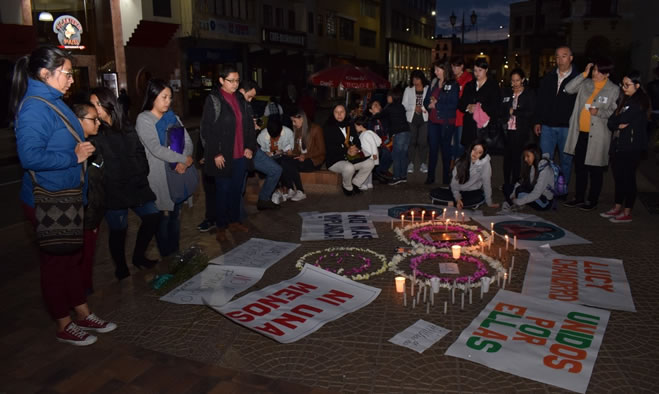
pixel 69 127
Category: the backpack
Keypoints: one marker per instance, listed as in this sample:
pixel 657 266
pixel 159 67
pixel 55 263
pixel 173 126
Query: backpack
pixel 560 186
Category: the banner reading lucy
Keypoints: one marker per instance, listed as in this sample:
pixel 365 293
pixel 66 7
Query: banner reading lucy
pixel 549 341
pixel 594 281
pixel 531 231
pixel 292 309
pixel 318 226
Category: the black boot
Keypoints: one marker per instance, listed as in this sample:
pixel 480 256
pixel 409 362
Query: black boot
pixel 117 244
pixel 145 234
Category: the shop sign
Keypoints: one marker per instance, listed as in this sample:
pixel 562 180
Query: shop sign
pixel 219 27
pixel 69 32
pixel 279 37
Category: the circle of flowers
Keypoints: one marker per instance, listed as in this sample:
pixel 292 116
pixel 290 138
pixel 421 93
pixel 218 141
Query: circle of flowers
pixel 359 273
pixel 420 254
pixel 415 239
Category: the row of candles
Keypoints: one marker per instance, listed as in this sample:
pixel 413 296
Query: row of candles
pixel 432 217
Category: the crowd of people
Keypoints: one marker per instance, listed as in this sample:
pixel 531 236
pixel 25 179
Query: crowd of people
pixel 148 167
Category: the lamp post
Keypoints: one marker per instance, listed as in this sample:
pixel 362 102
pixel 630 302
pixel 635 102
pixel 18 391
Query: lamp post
pixel 473 18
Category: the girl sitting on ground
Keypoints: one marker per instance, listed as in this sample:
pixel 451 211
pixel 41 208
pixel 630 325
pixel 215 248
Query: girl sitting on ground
pixel 370 143
pixel 471 184
pixel 535 187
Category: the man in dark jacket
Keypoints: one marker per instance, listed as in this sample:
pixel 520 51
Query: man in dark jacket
pixel 554 107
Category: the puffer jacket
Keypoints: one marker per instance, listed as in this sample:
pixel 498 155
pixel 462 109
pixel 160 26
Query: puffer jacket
pixel 480 177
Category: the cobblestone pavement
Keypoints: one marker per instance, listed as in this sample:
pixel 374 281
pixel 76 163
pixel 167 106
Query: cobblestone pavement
pixel 351 354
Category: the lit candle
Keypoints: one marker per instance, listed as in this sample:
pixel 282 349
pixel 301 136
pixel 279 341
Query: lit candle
pixel 425 293
pixel 470 296
pixel 432 214
pixel 480 241
pixel 512 265
pixel 405 299
pixel 510 274
pixel 456 251
pixel 447 222
pixel 515 242
pixel 482 290
pixel 427 308
pixel 462 301
pixel 418 296
pixel 507 240
pixel 463 217
pixel 492 227
pixel 402 220
pixel 434 283
pixel 412 213
pixel 392 224
pixel 505 278
pixel 456 215
pixel 499 279
pixel 491 237
pixel 445 305
pixel 453 293
pixel 432 298
pixel 400 284
pixel 423 214
pixel 444 214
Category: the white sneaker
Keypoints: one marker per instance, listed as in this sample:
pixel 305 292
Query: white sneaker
pixel 298 196
pixel 290 194
pixel 369 186
pixel 424 168
pixel 363 187
pixel 410 168
pixel 277 198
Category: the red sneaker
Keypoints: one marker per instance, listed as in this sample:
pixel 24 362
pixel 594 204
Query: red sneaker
pixel 622 218
pixel 95 323
pixel 75 336
pixel 611 213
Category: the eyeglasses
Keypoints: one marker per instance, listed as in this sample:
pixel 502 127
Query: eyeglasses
pixel 96 120
pixel 626 85
pixel 237 80
pixel 69 74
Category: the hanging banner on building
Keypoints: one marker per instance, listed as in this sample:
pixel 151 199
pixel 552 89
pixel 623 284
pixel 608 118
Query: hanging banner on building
pixel 531 231
pixel 548 341
pixel 230 273
pixel 593 281
pixel 292 309
pixel 69 32
pixel 318 226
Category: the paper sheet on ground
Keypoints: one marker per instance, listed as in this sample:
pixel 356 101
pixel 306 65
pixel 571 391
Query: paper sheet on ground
pixel 292 309
pixel 419 336
pixel 553 342
pixel 531 231
pixel 318 226
pixel 384 213
pixel 594 281
pixel 231 273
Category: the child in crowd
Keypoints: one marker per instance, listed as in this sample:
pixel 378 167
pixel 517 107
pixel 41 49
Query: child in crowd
pixel 381 172
pixel 370 143
pixel 536 185
pixel 471 184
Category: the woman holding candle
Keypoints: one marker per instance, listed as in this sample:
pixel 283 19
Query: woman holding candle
pixel 471 182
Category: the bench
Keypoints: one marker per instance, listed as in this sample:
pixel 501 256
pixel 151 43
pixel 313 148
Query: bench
pixel 317 182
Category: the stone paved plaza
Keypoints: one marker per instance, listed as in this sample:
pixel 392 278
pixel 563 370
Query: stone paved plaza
pixel 162 347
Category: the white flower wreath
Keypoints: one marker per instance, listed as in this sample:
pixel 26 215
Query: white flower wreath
pixel 380 257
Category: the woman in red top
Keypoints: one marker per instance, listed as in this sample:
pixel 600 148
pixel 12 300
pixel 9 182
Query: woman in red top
pixel 462 77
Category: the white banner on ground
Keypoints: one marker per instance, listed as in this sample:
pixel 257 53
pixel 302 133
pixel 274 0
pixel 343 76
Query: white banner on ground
pixel 531 231
pixel 549 341
pixel 230 273
pixel 593 281
pixel 385 213
pixel 419 336
pixel 292 309
pixel 215 285
pixel 317 226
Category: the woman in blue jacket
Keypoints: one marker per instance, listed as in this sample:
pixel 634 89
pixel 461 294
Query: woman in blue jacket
pixel 46 147
pixel 441 101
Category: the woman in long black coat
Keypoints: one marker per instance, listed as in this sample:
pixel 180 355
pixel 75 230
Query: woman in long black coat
pixel 481 90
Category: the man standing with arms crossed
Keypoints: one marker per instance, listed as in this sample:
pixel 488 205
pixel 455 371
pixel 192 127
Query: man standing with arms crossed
pixel 554 107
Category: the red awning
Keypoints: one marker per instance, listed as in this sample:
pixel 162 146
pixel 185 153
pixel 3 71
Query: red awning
pixel 349 77
pixel 17 39
pixel 152 34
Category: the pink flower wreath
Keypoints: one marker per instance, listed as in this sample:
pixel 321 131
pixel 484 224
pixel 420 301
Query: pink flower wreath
pixel 472 236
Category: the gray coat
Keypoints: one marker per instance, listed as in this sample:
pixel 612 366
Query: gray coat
pixel 599 138
pixel 158 156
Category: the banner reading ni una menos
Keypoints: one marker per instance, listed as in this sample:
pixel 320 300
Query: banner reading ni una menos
pixel 553 342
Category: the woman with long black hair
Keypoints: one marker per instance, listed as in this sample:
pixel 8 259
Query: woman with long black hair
pixel 47 147
pixel 479 101
pixel 125 181
pixel 152 126
pixel 629 126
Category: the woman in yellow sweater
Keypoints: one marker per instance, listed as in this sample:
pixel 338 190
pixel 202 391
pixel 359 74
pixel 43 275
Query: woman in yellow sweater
pixel 588 138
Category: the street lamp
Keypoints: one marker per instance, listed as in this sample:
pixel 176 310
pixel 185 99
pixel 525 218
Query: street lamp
pixel 462 28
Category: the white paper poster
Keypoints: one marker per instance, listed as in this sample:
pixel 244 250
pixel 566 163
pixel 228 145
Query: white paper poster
pixel 594 281
pixel 552 342
pixel 318 226
pixel 230 273
pixel 292 309
pixel 419 336
pixel 531 231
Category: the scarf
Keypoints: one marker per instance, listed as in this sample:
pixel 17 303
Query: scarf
pixel 168 120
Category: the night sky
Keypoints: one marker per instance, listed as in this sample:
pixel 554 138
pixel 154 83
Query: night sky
pixel 491 14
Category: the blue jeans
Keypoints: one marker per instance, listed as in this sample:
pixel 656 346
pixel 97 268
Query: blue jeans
pixel 118 218
pixel 552 138
pixel 169 231
pixel 440 135
pixel 385 161
pixel 229 193
pixel 399 154
pixel 458 149
pixel 272 171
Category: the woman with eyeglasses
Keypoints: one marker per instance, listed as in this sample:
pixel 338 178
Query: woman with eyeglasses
pixel 46 147
pixel 629 126
pixel 125 181
pixel 228 129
